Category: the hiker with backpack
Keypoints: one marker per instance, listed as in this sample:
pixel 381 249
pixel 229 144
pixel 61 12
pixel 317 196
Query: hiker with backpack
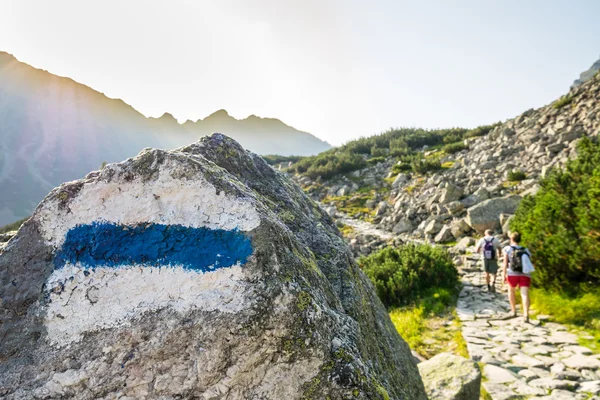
pixel 490 247
pixel 517 270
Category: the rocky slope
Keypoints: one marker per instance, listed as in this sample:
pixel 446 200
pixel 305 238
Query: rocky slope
pixel 197 273
pixel 588 74
pixel 53 129
pixel 473 191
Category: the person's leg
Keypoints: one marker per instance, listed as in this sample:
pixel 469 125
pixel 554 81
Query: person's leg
pixel 512 298
pixel 525 296
pixel 493 282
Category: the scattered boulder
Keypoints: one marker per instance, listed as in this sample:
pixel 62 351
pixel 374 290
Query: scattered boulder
pixel 433 227
pixel 486 215
pixel 480 195
pixel 455 207
pixel 400 179
pixel 464 243
pixel 459 228
pixel 450 193
pixel 450 377
pixel 403 226
pixel 444 235
pixel 195 273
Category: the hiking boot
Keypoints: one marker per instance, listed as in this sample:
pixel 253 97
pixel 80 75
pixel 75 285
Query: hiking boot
pixel 527 320
pixel 489 288
pixel 493 289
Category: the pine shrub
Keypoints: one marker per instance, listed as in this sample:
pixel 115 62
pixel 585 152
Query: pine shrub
pixel 561 224
pixel 408 273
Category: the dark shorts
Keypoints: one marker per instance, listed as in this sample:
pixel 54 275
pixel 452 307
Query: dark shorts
pixel 490 266
pixel 519 280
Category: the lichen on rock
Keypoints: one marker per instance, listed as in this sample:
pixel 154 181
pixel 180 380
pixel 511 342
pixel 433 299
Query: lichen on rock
pixel 197 273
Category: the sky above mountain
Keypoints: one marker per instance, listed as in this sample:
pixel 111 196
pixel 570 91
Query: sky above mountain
pixel 338 69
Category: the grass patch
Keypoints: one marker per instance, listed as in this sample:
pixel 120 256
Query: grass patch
pixel 563 101
pixel 510 184
pixel 346 230
pixel 354 205
pixel 14 226
pixel 581 313
pixel 431 326
pixel 448 164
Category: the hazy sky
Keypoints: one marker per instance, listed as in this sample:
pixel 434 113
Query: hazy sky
pixel 337 69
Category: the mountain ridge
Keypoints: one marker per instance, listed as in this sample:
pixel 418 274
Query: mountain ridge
pixel 54 129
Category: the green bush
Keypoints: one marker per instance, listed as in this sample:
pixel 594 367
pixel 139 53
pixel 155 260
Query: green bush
pixel 403 275
pixel 563 101
pixel 273 159
pixel 452 148
pixel 480 130
pixel 561 224
pixel 375 160
pixel 516 176
pixel 401 143
pixel 329 164
pixel 14 226
pixel 424 166
pixel 403 167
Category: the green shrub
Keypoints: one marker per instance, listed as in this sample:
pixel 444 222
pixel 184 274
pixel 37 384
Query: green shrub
pixel 404 143
pixel 424 166
pixel 375 160
pixel 563 101
pixel 14 226
pixel 454 137
pixel 404 167
pixel 561 224
pixel 480 130
pixel 379 151
pixel 273 159
pixel 452 148
pixel 403 275
pixel 329 164
pixel 516 176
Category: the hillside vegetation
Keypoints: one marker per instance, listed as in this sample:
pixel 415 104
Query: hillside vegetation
pixel 561 223
pixel 406 144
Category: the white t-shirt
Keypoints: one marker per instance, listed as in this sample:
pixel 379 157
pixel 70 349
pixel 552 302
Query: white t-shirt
pixel 495 242
pixel 507 250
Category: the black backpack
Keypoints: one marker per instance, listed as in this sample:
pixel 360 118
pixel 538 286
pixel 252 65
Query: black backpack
pixel 489 252
pixel 516 258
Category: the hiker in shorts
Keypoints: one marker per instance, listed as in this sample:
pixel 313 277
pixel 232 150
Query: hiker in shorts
pixel 514 254
pixel 490 248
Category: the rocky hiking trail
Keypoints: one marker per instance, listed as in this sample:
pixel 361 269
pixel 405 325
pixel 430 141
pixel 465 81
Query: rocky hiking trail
pixel 540 360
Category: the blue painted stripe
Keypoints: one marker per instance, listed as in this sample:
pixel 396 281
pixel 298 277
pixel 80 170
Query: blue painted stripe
pixel 112 245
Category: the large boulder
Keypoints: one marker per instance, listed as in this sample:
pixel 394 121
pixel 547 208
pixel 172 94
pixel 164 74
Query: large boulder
pixel 486 215
pixel 450 377
pixel 403 226
pixel 450 193
pixel 480 195
pixel 196 273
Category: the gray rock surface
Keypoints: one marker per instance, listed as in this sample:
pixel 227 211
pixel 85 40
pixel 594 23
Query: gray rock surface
pixel 282 313
pixel 450 377
pixel 486 215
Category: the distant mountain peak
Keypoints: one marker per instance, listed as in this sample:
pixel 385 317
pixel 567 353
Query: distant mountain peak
pixel 222 113
pixel 167 117
pixel 587 75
